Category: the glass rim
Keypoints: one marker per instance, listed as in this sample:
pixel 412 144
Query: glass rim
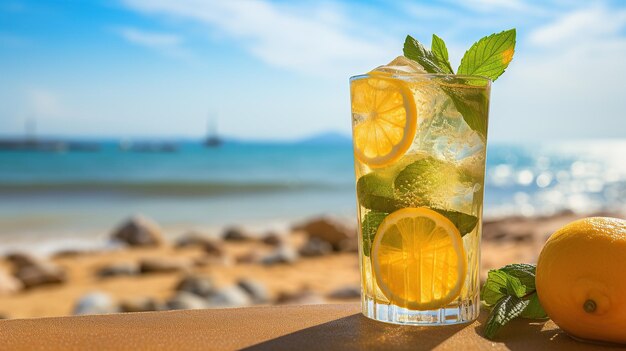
pixel 425 75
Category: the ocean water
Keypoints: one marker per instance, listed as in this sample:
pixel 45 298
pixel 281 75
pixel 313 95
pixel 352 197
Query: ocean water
pixel 67 194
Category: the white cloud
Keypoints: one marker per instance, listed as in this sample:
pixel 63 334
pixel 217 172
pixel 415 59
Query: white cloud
pixel 580 26
pixel 165 43
pixel 568 82
pixel 311 40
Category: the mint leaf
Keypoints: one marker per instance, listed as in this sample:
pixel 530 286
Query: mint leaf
pixel 534 309
pixel 489 56
pixel 473 105
pixel 522 271
pixel 511 292
pixel 418 53
pixel 439 49
pixel 503 312
pixel 376 193
pixel 514 287
pixel 463 222
pixel 495 288
pixel 369 226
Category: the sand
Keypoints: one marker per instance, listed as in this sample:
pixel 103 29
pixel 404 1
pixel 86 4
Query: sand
pixel 506 240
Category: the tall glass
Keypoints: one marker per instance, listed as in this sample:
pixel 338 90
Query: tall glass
pixel 420 145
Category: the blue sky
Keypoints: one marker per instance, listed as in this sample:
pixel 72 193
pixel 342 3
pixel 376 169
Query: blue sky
pixel 279 69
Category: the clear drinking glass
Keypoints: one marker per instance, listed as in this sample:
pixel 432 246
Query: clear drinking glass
pixel 420 146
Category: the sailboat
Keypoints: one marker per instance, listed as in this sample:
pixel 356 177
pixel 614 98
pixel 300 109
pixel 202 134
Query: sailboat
pixel 212 139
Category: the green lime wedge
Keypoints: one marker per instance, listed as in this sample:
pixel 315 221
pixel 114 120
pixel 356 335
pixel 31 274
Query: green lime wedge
pixel 376 193
pixel 426 182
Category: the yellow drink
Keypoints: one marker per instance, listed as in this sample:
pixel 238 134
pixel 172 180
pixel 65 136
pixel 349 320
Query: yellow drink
pixel 419 143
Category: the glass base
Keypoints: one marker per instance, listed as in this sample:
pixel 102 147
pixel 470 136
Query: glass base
pixel 458 312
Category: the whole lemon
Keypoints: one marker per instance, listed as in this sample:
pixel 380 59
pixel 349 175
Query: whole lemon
pixel 581 279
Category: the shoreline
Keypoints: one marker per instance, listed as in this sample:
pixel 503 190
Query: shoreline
pixel 48 242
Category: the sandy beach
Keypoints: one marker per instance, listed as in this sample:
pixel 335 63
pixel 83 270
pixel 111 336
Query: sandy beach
pixel 284 268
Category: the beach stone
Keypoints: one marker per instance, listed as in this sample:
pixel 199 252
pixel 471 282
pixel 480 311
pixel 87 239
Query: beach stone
pixel 256 290
pixel 198 285
pixel 186 301
pixel 214 248
pixel 236 234
pixel 139 304
pixel 3 316
pixel 230 296
pixel 282 255
pixel 302 297
pixel 34 271
pixel 346 293
pixel 9 284
pixel 273 239
pixel 139 231
pixel 193 239
pixel 315 247
pixel 95 303
pixel 329 230
pixel 118 269
pixel 163 265
pixel 249 257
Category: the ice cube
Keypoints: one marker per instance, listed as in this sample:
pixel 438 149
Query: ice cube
pixel 401 65
pixel 443 132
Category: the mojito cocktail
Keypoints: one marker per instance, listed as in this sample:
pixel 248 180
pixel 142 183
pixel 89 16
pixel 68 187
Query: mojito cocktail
pixel 419 145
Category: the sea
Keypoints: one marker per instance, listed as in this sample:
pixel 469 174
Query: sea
pixel 68 198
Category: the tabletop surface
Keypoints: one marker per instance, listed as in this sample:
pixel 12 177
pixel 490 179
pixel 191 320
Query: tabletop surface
pixel 312 327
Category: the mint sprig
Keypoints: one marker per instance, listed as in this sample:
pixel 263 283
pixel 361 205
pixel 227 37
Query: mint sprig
pixel 439 49
pixel 489 57
pixel 510 292
pixel 414 50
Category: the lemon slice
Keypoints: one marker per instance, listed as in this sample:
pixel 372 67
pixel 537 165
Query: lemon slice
pixel 385 120
pixel 418 259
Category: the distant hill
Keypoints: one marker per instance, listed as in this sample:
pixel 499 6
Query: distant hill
pixel 327 138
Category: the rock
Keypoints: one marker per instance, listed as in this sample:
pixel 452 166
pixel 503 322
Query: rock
pixel 236 234
pixel 281 255
pixel 139 304
pixel 139 231
pixel 315 247
pixel 197 284
pixel 3 316
pixel 33 271
pixel 256 290
pixel 9 284
pixel 196 239
pixel 231 296
pixel 95 303
pixel 163 265
pixel 302 297
pixel 249 257
pixel 186 301
pixel 118 269
pixel 214 248
pixel 331 231
pixel 346 293
pixel 273 239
